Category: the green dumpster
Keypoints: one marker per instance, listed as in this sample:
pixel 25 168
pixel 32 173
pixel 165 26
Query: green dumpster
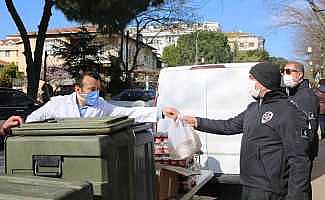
pixel 108 152
pixel 40 188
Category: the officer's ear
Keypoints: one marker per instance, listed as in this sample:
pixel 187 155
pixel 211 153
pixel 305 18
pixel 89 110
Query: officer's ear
pixel 300 75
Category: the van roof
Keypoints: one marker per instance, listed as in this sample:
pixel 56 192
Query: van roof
pixel 211 66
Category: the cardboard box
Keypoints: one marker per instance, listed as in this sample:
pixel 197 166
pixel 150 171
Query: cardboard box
pixel 168 180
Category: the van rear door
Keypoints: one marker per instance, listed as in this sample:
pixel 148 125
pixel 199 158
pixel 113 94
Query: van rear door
pixel 216 93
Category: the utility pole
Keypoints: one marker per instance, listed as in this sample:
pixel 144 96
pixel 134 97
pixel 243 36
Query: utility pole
pixel 196 48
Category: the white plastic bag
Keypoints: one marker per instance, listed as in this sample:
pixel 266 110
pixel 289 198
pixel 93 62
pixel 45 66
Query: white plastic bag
pixel 182 141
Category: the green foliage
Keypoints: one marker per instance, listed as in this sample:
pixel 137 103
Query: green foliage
pixel 278 61
pixel 7 73
pixel 81 52
pixel 171 56
pixel 258 55
pixel 115 14
pixel 116 84
pixel 212 46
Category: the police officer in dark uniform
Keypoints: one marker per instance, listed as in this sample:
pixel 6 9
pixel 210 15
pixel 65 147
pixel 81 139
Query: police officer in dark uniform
pixel 304 98
pixel 299 92
pixel 274 158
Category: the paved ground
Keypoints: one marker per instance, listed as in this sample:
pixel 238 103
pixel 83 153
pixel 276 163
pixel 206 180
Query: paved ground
pixel 232 192
pixel 218 191
pixel 318 175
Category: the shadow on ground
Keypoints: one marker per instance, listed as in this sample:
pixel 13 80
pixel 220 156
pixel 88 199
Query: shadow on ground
pixel 221 191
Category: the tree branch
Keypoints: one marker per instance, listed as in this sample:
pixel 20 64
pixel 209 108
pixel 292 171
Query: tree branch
pixel 41 35
pixel 22 30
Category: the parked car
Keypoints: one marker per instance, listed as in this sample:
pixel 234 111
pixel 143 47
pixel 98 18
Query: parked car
pixel 64 90
pixel 135 95
pixel 15 102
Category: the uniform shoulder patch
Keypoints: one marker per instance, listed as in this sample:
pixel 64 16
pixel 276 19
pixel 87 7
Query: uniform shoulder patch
pixel 267 116
pixel 306 134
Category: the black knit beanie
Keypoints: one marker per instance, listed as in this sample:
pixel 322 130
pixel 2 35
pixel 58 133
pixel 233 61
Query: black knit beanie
pixel 267 74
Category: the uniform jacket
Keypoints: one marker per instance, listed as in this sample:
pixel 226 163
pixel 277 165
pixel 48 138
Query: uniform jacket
pixel 306 100
pixel 275 145
pixel 321 95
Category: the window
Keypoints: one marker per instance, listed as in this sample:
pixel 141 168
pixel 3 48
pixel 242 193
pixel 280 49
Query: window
pixel 145 59
pixel 49 44
pixel 241 44
pixel 251 44
pixel 170 39
pixel 7 53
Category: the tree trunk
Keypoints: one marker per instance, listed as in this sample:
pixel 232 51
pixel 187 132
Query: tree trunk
pixel 38 52
pixel 137 49
pixel 33 65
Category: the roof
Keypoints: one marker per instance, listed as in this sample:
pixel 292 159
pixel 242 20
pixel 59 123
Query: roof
pixel 91 29
pixel 73 30
pixel 10 41
pixel 3 62
pixel 241 34
pixel 211 66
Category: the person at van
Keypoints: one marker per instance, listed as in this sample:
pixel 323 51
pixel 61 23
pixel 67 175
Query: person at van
pixel 298 90
pixel 11 122
pixel 86 102
pixel 274 158
pixel 320 92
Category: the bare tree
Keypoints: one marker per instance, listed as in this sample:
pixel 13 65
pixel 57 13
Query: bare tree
pixel 308 21
pixel 33 61
pixel 169 15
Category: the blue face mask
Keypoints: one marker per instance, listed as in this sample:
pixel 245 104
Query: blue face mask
pixel 92 98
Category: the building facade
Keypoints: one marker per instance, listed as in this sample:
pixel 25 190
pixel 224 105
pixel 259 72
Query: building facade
pixel 244 41
pixel 159 38
pixel 12 48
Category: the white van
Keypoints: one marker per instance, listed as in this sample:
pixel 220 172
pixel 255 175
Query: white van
pixel 216 91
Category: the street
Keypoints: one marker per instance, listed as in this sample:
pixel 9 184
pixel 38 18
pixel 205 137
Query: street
pixel 232 192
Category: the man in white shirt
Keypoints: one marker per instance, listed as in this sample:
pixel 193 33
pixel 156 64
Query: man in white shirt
pixel 86 102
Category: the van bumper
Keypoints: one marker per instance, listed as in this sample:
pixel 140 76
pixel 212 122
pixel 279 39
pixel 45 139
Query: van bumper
pixel 226 178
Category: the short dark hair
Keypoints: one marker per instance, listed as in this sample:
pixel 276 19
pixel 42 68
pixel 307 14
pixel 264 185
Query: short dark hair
pixel 92 74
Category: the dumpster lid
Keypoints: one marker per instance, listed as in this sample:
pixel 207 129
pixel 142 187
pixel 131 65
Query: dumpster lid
pixel 75 126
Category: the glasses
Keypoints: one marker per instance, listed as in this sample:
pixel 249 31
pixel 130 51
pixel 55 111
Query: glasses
pixel 288 71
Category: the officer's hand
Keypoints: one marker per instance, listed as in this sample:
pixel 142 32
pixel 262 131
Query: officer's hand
pixel 170 112
pixel 191 121
pixel 11 122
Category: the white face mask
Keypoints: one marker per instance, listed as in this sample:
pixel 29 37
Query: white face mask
pixel 252 89
pixel 288 81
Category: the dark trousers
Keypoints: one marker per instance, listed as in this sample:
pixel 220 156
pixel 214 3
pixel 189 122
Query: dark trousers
pixel 322 125
pixel 249 193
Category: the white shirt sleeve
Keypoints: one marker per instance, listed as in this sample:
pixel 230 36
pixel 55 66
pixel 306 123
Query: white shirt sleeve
pixel 42 113
pixel 140 114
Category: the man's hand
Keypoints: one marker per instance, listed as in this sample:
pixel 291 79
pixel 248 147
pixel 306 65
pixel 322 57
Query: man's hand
pixel 191 121
pixel 171 112
pixel 11 122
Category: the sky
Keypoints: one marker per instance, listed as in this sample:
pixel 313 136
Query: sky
pixel 251 16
